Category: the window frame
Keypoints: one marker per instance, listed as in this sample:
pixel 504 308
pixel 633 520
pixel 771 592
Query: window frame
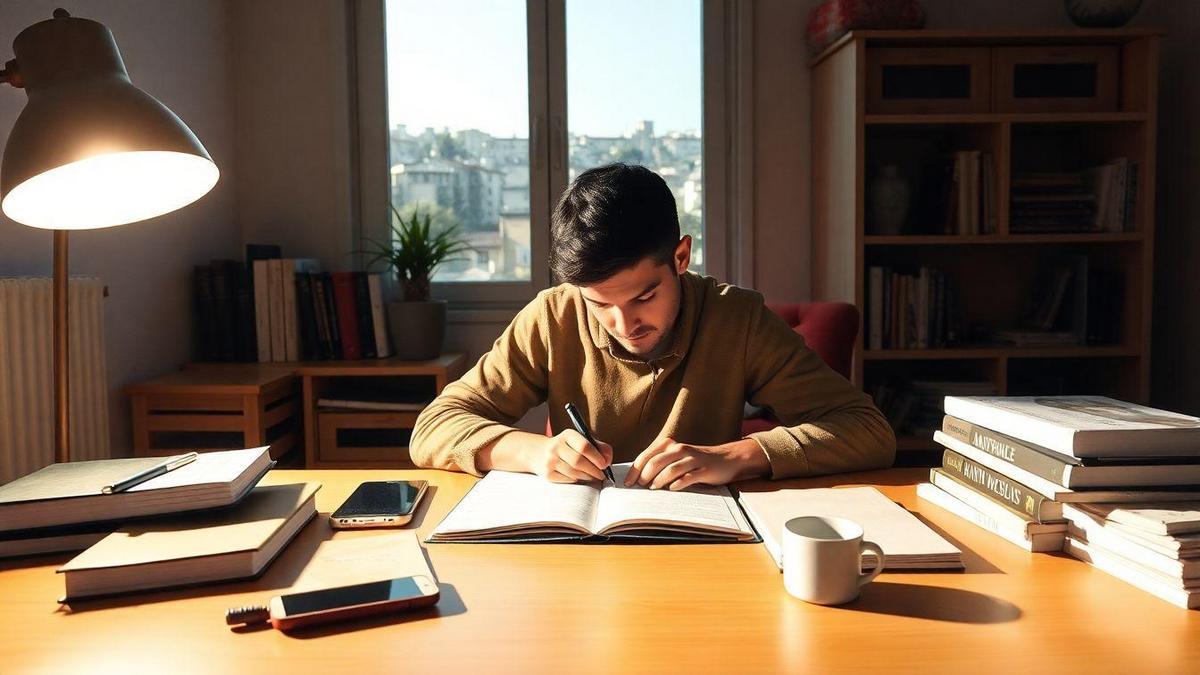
pixel 726 129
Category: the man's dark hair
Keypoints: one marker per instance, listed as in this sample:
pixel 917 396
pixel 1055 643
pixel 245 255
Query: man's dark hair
pixel 610 218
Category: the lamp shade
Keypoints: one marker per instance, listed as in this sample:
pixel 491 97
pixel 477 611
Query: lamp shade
pixel 91 150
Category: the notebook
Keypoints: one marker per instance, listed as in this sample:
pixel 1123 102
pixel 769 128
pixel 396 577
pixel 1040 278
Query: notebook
pixel 907 543
pixel 197 548
pixel 518 507
pixel 350 559
pixel 66 494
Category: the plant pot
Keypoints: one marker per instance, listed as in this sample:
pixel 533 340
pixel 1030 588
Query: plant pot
pixel 418 329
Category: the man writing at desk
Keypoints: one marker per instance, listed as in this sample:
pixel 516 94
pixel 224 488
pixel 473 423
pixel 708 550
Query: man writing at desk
pixel 658 360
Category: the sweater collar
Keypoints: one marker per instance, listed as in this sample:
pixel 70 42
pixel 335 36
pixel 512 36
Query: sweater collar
pixel 681 334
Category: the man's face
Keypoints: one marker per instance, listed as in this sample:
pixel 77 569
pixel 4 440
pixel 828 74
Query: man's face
pixel 638 305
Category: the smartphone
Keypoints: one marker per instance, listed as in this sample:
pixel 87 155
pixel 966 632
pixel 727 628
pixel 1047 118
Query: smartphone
pixel 348 602
pixel 385 503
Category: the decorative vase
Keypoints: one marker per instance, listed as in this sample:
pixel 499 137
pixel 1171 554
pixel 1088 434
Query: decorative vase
pixel 1101 13
pixel 418 329
pixel 887 201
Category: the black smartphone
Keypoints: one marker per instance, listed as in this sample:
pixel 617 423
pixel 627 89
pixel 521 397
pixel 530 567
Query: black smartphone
pixel 385 503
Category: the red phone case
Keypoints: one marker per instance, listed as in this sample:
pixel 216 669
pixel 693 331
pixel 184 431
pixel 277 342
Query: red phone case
pixel 355 612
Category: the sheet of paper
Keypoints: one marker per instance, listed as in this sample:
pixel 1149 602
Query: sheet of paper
pixel 700 505
pixel 504 499
pixel 363 558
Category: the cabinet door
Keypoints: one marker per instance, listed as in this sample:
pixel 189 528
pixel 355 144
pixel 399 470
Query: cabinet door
pixel 928 80
pixel 1056 79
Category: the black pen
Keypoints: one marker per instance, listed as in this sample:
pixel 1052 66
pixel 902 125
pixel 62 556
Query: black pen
pixel 582 428
pixel 142 476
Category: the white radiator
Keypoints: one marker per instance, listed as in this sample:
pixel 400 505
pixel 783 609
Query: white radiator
pixel 27 374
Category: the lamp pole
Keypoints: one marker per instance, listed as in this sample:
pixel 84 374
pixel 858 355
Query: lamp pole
pixel 62 343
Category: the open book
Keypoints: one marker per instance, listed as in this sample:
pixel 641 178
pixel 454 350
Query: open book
pixel 511 507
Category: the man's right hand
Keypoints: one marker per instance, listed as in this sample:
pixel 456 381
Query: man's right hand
pixel 569 458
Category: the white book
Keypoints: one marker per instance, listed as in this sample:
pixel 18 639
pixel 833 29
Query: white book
pixel 1176 547
pixel 1164 519
pixel 980 502
pixel 1054 490
pixel 1083 426
pixel 1037 542
pixel 1097 536
pixel 1130 573
pixel 262 309
pixel 278 325
pixel 506 506
pixel 907 543
pixel 875 307
pixel 383 347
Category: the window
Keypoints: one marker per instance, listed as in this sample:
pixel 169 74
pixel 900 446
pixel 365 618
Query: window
pixel 490 107
pixel 634 75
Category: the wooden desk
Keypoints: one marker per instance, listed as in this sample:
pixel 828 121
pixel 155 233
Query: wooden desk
pixel 578 608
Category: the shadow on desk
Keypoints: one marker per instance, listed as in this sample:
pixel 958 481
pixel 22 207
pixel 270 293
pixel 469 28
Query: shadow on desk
pixel 933 602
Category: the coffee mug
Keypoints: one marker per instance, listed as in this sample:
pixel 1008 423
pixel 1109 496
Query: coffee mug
pixel 822 559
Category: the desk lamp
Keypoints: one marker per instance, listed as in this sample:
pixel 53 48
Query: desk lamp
pixel 90 150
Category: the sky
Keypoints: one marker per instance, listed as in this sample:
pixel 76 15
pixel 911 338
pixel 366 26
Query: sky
pixel 462 64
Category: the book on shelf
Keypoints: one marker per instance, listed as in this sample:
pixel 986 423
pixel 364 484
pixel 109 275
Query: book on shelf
pixel 70 493
pixel 278 316
pixel 910 311
pixel 1070 472
pixel 1179 592
pixel 1055 491
pixel 362 308
pixel 907 542
pixel 361 396
pixel 221 312
pixel 1031 536
pixel 962 193
pixel 292 269
pixel 262 309
pixel 196 548
pixel 1095 199
pixel 1000 489
pixel 383 348
pixel 518 507
pixel 1083 426
pixel 347 315
pixel 256 301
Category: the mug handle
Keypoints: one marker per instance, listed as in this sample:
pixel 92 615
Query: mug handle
pixel 864 579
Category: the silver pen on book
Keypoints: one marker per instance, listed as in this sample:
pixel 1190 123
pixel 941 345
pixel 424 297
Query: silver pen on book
pixel 153 472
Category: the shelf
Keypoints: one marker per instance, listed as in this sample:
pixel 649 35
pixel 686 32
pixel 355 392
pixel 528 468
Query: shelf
pixel 998 351
pixel 1013 118
pixel 961 239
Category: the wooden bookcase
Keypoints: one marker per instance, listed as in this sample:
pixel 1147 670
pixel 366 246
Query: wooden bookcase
pixel 1104 107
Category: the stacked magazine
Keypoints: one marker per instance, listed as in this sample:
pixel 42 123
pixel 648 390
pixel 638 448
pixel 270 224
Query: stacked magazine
pixel 1110 482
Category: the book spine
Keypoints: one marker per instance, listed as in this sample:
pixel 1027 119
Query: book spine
pixel 366 327
pixel 378 316
pixel 932 493
pixel 1001 489
pixel 291 315
pixel 321 314
pixel 243 306
pixel 304 307
pixel 1009 450
pixel 262 310
pixel 347 315
pixel 205 347
pixel 223 312
pixel 331 317
pixel 278 342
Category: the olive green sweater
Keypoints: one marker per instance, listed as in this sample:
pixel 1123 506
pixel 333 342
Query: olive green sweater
pixel 727 348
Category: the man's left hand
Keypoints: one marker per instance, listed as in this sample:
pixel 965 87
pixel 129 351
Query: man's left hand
pixel 673 465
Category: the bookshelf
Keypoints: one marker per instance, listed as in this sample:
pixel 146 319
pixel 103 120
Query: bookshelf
pixel 1062 242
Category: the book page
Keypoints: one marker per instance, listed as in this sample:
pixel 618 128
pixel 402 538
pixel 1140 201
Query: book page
pixel 700 507
pixel 504 500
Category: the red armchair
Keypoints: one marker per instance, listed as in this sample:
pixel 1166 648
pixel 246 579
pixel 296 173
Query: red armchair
pixel 828 328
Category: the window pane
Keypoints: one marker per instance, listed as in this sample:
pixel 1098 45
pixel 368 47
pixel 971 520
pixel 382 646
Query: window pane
pixel 634 75
pixel 458 108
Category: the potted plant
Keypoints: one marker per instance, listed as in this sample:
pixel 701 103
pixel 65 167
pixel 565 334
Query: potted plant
pixel 419 244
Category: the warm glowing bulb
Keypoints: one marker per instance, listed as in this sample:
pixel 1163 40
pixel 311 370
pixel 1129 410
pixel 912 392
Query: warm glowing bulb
pixel 111 189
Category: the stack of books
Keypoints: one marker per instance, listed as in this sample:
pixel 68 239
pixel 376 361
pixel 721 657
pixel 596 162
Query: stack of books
pixel 1097 199
pixel 1049 473
pixel 911 311
pixel 207 520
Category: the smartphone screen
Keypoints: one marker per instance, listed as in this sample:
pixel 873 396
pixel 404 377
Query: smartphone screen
pixel 381 498
pixel 347 596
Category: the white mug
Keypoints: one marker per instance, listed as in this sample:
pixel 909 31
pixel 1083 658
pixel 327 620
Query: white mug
pixel 822 559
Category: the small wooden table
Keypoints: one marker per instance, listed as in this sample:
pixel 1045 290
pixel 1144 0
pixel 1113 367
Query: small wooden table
pixel 711 608
pixel 229 406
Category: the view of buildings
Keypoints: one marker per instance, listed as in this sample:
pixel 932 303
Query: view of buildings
pixel 481 182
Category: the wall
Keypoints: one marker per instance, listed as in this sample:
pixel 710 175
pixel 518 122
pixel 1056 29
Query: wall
pixel 177 52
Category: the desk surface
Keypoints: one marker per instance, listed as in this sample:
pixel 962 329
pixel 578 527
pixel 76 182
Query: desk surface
pixel 709 608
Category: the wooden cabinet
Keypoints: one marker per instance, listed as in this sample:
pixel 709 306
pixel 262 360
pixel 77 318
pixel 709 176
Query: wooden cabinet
pixel 1043 115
